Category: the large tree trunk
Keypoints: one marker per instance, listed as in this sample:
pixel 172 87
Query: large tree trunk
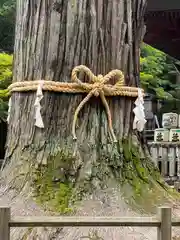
pixel 52 37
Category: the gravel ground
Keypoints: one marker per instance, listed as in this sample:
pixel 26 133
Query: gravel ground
pixel 101 204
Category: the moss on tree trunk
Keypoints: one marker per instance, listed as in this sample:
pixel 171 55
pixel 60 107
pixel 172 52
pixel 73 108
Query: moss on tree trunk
pixel 52 37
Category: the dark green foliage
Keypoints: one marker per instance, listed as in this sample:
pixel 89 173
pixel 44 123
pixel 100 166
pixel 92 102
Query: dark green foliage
pixel 159 77
pixel 7 25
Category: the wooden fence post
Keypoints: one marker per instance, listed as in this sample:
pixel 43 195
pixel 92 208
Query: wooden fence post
pixel 165 229
pixel 4 223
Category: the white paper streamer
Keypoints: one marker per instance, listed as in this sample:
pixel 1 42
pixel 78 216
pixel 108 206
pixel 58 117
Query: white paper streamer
pixel 139 119
pixel 157 122
pixel 39 96
pixel 9 109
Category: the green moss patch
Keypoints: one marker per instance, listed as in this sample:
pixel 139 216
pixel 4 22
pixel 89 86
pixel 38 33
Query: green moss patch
pixel 61 184
pixel 53 183
pixel 139 179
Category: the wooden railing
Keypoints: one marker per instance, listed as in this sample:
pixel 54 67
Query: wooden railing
pixel 166 155
pixel 163 222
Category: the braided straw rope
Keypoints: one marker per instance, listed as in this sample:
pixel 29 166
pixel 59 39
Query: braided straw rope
pixel 97 86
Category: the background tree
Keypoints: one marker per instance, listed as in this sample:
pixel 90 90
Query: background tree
pixel 159 76
pixel 7 19
pixel 158 73
pixel 7 26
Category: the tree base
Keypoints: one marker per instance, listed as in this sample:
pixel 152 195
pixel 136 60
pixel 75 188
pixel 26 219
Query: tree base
pixel 64 181
pixel 108 202
pixel 118 185
pixel 60 185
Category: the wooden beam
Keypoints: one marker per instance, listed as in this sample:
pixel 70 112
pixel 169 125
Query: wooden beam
pixel 84 222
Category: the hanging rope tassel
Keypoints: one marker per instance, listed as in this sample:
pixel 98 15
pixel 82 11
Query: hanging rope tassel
pixel 98 89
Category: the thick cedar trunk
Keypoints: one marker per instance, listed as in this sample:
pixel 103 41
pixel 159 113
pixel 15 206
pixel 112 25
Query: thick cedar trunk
pixel 52 37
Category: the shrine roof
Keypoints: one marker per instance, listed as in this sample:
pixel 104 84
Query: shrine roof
pixel 163 26
pixel 162 5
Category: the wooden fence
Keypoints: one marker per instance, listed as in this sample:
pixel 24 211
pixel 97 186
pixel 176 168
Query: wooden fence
pixel 167 158
pixel 163 222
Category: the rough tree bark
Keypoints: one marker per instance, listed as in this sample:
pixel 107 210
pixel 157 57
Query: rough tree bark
pixel 52 37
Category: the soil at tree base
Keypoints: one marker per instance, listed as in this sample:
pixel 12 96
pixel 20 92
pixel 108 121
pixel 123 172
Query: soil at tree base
pixel 101 203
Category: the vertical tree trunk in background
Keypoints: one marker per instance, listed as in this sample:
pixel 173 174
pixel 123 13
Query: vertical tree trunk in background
pixel 52 37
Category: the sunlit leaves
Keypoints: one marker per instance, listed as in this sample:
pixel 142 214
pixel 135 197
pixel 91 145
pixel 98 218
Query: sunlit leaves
pixel 5 81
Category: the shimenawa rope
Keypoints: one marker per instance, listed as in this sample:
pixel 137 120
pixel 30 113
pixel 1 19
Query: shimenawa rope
pixel 97 86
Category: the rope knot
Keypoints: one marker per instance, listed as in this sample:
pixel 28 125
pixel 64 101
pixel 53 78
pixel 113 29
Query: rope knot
pixel 97 87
